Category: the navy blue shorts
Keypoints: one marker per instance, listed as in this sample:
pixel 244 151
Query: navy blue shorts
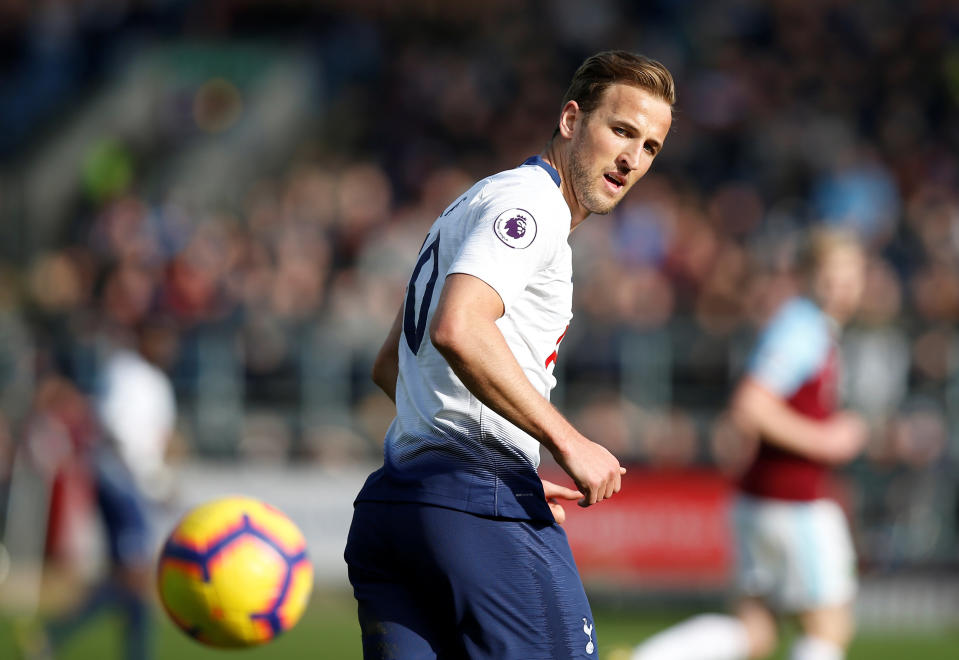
pixel 124 511
pixel 432 582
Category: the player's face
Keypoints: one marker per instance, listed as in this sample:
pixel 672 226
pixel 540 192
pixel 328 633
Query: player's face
pixel 614 146
pixel 839 283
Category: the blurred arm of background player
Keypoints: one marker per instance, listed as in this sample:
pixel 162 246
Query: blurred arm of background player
pixel 757 412
pixel 463 330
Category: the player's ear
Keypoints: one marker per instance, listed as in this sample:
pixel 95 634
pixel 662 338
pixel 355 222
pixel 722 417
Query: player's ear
pixel 567 118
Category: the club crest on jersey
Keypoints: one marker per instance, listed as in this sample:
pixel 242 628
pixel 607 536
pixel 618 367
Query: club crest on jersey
pixel 516 228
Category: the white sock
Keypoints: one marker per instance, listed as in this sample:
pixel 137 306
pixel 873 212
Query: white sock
pixel 815 648
pixel 704 637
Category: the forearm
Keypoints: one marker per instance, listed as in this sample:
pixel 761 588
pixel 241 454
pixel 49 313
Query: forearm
pixel 480 357
pixel 464 331
pixel 758 412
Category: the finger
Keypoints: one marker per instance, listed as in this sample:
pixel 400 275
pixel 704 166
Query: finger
pixel 555 490
pixel 588 499
pixel 622 470
pixel 568 494
pixel 559 513
pixel 610 489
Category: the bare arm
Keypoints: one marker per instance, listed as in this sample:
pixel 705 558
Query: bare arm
pixel 386 366
pixel 758 412
pixel 463 330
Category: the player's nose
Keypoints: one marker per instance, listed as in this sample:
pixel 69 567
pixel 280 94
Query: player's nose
pixel 628 161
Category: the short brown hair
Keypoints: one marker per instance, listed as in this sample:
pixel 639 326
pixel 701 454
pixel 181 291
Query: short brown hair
pixel 618 67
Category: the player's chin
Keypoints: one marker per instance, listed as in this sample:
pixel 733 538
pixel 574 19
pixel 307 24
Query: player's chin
pixel 607 200
pixel 603 207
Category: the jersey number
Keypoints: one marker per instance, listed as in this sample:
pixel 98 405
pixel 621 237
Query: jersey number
pixel 414 325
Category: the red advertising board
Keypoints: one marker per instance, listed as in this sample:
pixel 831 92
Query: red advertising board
pixel 664 529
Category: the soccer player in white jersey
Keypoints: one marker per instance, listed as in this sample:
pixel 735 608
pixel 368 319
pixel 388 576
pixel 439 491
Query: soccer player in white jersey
pixel 455 550
pixel 795 552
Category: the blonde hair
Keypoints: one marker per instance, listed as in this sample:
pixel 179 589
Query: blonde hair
pixel 820 244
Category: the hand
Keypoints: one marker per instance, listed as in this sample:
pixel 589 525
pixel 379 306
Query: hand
pixel 553 491
pixel 847 433
pixel 595 471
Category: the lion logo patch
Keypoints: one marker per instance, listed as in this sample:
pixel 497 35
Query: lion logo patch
pixel 516 228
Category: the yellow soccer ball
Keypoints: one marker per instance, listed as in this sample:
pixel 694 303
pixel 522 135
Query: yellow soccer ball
pixel 234 572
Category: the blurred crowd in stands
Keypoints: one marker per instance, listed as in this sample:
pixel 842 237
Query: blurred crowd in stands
pixel 265 309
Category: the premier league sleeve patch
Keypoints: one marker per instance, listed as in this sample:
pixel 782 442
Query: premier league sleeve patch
pixel 516 228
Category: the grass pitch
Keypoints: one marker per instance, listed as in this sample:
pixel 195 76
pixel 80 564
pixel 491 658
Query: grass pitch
pixel 329 631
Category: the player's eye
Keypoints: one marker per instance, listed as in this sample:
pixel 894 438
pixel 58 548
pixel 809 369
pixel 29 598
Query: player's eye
pixel 650 149
pixel 620 131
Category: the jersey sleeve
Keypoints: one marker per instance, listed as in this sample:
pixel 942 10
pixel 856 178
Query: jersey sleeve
pixel 791 349
pixel 508 244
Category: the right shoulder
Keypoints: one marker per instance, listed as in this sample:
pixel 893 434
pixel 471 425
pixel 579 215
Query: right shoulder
pixel 791 347
pixel 797 316
pixel 527 189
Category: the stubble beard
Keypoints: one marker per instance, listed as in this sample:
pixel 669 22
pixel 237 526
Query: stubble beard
pixel 584 187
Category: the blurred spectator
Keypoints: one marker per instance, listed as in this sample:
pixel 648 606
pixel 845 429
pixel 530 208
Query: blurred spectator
pixel 269 294
pixel 731 451
pixel 669 440
pixel 613 422
pixel 909 490
pixel 859 194
pixel 16 350
pixel 876 357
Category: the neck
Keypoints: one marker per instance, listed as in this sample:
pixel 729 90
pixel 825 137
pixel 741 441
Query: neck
pixel 556 156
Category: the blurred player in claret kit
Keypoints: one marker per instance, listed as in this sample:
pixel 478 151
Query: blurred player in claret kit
pixel 795 552
pixel 455 550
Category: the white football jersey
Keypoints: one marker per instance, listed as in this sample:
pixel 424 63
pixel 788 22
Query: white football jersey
pixel 445 447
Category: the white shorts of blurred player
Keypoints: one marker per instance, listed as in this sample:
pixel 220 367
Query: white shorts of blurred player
pixel 796 556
